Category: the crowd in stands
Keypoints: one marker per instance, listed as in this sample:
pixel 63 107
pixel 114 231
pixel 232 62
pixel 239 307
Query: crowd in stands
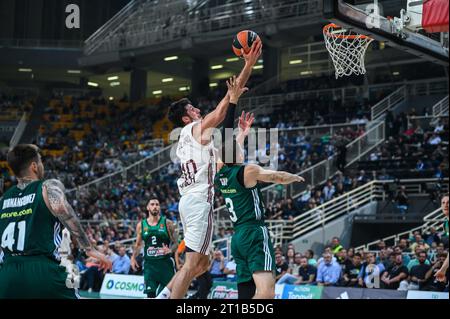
pixel 411 151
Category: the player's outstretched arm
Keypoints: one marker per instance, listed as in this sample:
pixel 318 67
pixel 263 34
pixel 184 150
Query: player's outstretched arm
pixel 55 199
pixel 254 174
pixel 250 60
pixel 213 119
pixel 137 247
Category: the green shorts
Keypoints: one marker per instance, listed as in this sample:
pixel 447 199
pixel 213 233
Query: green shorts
pixel 252 250
pixel 34 277
pixel 157 274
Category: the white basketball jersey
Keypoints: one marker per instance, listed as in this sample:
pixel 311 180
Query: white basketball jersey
pixel 198 165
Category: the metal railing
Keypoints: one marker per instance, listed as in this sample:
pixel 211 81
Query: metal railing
pixel 379 109
pixel 441 107
pixel 430 220
pixel 18 132
pixel 348 202
pixel 41 43
pixel 194 23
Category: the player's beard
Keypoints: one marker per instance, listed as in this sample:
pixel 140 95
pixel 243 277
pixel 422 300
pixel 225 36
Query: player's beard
pixel 154 213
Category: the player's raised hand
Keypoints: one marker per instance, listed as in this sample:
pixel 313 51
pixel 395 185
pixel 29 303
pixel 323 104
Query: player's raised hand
pixel 234 90
pixel 252 57
pixel 245 122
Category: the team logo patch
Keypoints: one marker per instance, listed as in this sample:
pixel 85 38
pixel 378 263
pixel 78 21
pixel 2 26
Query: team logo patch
pixel 224 181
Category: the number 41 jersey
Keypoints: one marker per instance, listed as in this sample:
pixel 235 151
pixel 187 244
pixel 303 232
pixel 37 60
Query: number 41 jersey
pixel 198 165
pixel 27 227
pixel 245 205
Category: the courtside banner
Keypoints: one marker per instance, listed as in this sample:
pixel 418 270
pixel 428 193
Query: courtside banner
pixel 358 293
pixel 123 286
pixel 301 292
pixel 224 290
pixel 413 294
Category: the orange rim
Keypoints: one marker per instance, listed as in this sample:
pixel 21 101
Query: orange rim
pixel 340 36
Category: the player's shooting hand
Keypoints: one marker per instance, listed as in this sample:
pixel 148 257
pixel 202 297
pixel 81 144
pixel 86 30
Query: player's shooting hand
pixel 245 122
pixel 255 52
pixel 234 90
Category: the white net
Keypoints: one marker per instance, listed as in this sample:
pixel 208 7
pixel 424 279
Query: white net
pixel 347 50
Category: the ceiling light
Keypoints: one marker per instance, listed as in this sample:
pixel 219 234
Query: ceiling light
pixel 217 67
pixel 171 58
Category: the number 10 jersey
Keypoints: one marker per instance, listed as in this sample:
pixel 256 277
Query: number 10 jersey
pixel 198 165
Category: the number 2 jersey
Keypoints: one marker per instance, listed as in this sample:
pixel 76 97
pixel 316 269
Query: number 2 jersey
pixel 245 205
pixel 27 227
pixel 198 165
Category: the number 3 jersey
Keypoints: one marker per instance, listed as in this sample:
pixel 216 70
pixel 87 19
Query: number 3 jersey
pixel 245 205
pixel 27 227
pixel 198 165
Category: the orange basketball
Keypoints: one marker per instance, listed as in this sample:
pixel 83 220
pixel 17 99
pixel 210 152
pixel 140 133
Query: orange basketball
pixel 244 40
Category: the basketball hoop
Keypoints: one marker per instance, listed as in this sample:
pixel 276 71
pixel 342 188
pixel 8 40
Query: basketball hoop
pixel 347 49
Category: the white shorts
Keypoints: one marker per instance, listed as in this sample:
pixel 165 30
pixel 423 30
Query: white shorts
pixel 197 219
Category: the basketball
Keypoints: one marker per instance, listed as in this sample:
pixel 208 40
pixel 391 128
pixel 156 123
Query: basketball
pixel 244 40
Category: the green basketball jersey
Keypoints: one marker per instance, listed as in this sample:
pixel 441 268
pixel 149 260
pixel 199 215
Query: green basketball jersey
pixel 154 237
pixel 27 227
pixel 245 205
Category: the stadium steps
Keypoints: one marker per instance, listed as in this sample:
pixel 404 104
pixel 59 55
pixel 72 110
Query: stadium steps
pixel 36 118
pixel 434 219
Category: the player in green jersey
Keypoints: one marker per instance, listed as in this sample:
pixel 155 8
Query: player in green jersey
pixel 251 245
pixel 32 214
pixel 160 238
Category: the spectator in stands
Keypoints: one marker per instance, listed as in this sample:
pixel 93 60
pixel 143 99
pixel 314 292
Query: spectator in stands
pixel 434 140
pixel 309 254
pixel 401 200
pixel 295 267
pixel 362 178
pixel 306 272
pixel 217 265
pixel 419 242
pixel 420 166
pixel 329 190
pixel 370 274
pixel 336 245
pixel 122 262
pixel 405 256
pixel 281 266
pixel 329 271
pixel 230 270
pixel 351 272
pixel 290 257
pixel 93 276
pixel 395 274
pixel 418 271
pixel 381 245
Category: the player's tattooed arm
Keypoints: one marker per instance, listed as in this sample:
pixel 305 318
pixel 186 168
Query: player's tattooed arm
pixel 57 203
pixel 173 233
pixel 254 174
pixel 55 199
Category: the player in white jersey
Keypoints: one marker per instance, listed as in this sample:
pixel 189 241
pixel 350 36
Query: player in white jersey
pixel 195 151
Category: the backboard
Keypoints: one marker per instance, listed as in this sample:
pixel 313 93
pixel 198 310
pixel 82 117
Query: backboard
pixel 404 32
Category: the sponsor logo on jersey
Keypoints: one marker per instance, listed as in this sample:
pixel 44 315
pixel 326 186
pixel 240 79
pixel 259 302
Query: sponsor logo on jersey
pixel 224 181
pixel 155 252
pixel 229 191
pixel 18 201
pixel 24 212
